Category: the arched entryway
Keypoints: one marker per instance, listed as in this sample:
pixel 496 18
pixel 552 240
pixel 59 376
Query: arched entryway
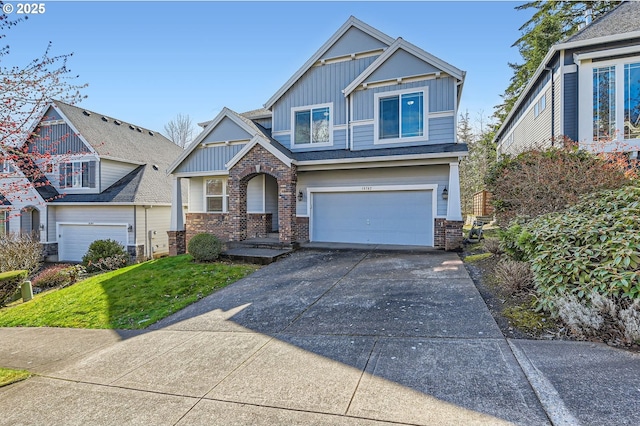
pixel 257 162
pixel 262 205
pixel 30 221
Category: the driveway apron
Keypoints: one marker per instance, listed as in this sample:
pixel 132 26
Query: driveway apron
pixel 320 337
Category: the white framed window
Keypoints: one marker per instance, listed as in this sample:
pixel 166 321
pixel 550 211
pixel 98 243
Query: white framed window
pixel 401 116
pixel 539 106
pixel 312 125
pixel 78 174
pixel 632 100
pixel 216 195
pixel 4 222
pixel 604 102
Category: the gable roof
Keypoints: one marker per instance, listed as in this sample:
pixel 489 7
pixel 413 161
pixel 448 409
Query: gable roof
pixel 625 18
pixel 152 152
pixel 116 139
pixel 4 201
pixel 410 48
pixel 244 123
pixel 352 22
pixel 603 30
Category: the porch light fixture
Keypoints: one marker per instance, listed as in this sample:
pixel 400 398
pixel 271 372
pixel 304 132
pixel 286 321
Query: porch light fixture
pixel 300 195
pixel 130 228
pixel 445 193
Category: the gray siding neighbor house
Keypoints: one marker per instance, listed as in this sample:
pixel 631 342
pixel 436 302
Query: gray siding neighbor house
pixel 358 146
pixel 587 89
pixel 105 179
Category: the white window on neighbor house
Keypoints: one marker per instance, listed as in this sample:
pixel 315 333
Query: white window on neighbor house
pixel 540 105
pixel 632 101
pixel 216 195
pixel 4 222
pixel 78 174
pixel 604 103
pixel 312 125
pixel 400 116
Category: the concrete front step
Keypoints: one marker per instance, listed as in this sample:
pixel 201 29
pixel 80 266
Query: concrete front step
pixel 266 243
pixel 261 256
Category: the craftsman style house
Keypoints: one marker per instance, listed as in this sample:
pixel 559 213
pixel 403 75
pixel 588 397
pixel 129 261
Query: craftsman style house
pixel 358 146
pixel 95 177
pixel 586 89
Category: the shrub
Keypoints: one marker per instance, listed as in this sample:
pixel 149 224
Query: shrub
pixel 10 283
pixel 19 252
pixel 592 246
pixel 492 245
pixel 539 182
pixel 58 276
pixel 615 319
pixel 51 277
pixel 514 276
pixel 205 247
pixel 105 255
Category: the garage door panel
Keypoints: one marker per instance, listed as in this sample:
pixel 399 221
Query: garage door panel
pixel 74 239
pixel 373 217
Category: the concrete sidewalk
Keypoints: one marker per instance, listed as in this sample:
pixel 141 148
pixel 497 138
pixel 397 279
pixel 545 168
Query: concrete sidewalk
pixel 321 338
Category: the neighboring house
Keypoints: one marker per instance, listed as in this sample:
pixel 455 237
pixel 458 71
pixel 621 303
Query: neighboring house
pixel 358 146
pixel 106 179
pixel 587 89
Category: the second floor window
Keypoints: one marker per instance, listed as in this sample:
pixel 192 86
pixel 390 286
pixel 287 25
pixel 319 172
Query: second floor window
pixel 312 125
pixel 78 174
pixel 401 116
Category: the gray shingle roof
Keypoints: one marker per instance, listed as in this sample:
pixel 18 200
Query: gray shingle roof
pixel 257 113
pixel 4 201
pixel 340 154
pixel 128 143
pixel 623 19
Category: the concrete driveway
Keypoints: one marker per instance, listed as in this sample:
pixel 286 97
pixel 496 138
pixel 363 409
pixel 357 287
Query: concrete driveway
pixel 318 338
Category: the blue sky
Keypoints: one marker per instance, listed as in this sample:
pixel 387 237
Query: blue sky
pixel 145 62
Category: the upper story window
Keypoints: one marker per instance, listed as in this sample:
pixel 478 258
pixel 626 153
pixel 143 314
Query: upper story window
pixel 632 101
pixel 78 174
pixel 216 195
pixel 604 103
pixel 312 125
pixel 400 116
pixel 540 105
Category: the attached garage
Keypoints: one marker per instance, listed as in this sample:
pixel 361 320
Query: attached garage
pixel 373 215
pixel 74 239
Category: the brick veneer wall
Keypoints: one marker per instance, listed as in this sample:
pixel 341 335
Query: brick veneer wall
pixel 218 224
pixel 301 231
pixel 259 224
pixel 448 234
pixel 177 242
pixel 255 162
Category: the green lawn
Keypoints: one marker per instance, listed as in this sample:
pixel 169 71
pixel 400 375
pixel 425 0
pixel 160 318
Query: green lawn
pixel 132 297
pixel 11 376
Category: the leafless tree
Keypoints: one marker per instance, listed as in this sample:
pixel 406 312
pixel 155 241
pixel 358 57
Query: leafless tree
pixel 180 130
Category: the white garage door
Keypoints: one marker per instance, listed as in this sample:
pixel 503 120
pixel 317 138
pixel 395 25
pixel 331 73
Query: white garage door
pixel 74 239
pixel 373 217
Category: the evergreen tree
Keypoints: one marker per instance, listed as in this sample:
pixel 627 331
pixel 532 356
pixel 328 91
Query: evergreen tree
pixel 551 22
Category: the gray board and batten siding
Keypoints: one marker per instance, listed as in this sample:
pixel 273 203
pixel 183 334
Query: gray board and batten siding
pixel 353 41
pixel 321 84
pixel 571 106
pixel 209 158
pixel 57 138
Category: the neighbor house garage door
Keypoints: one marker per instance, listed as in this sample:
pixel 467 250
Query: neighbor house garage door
pixel 74 239
pixel 373 217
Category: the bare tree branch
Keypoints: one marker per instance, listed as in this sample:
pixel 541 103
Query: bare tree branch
pixel 180 130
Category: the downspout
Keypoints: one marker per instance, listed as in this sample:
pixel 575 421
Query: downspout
pixel 553 109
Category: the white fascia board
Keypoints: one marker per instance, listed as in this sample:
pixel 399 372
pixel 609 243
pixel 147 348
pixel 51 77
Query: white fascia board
pixel 547 58
pixel 207 173
pixel 103 204
pixel 458 154
pixel 351 22
pixel 121 160
pixel 606 53
pixel 257 140
pixel 400 43
pixel 226 112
